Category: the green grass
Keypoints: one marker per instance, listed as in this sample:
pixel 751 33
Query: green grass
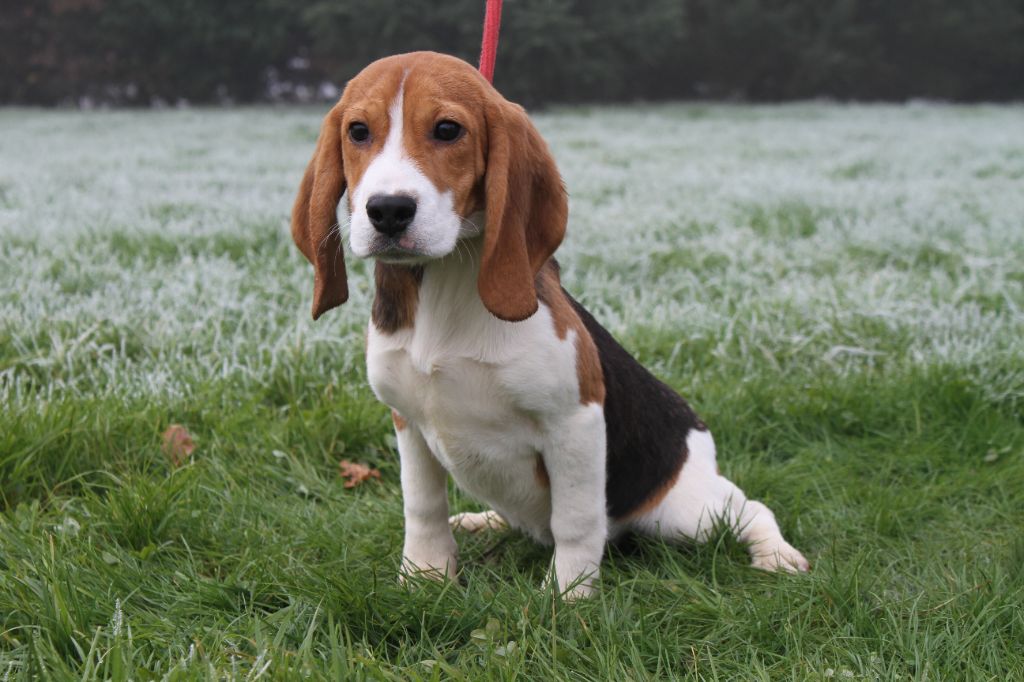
pixel 839 295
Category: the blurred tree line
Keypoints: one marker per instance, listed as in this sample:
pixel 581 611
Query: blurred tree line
pixel 141 51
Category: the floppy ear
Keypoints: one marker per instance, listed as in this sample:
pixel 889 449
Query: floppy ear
pixel 526 209
pixel 315 217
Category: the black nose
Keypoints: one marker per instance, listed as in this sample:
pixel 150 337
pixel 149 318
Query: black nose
pixel 390 213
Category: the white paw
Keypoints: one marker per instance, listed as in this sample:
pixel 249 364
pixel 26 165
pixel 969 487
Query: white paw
pixel 782 557
pixel 476 521
pixel 436 561
pixel 581 587
pixel 583 590
pixel 434 570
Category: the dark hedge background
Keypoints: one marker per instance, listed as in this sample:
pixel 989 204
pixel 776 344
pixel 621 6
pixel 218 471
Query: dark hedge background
pixel 145 51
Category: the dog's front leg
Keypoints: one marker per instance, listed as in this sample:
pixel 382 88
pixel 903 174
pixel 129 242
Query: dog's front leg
pixel 430 548
pixel 575 460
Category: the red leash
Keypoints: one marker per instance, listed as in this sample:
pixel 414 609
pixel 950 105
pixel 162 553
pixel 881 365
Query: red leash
pixel 489 47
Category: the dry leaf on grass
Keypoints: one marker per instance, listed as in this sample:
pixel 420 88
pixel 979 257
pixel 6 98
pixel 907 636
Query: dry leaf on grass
pixel 178 445
pixel 355 473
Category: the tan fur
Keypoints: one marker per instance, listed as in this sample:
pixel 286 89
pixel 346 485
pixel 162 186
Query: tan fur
pixel 527 210
pixel 588 362
pixel 588 368
pixel 501 163
pixel 540 472
pixel 456 167
pixel 314 218
pixel 398 420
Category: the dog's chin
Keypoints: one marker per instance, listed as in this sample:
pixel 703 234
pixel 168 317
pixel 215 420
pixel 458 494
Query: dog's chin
pixel 393 253
pixel 393 257
pixel 398 251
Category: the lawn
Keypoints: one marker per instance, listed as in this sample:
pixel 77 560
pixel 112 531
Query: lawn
pixel 839 291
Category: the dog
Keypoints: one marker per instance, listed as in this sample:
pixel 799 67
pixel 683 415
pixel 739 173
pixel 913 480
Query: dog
pixel 494 374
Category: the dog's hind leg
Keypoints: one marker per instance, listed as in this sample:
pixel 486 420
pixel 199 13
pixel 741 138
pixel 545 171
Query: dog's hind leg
pixel 476 521
pixel 701 497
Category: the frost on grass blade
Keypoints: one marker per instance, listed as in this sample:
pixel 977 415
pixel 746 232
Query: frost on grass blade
pixel 732 233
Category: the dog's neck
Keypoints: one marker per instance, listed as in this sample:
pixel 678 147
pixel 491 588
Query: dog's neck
pixel 440 291
pixel 454 277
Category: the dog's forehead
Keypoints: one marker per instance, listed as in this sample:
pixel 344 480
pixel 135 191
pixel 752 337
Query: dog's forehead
pixel 422 76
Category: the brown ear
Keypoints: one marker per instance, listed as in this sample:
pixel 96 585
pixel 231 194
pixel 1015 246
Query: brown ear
pixel 315 217
pixel 526 210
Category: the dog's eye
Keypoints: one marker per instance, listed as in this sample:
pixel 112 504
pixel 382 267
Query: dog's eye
pixel 447 131
pixel 358 132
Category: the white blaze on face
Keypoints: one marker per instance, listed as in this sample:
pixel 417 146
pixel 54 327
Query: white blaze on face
pixel 435 228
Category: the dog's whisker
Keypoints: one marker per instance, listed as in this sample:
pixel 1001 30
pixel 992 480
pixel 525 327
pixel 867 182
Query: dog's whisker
pixel 326 237
pixel 475 228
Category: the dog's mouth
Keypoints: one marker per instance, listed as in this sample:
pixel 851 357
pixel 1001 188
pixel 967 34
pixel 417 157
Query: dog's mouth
pixel 398 250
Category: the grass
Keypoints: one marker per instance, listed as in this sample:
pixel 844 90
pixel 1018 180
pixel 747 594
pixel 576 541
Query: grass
pixel 838 290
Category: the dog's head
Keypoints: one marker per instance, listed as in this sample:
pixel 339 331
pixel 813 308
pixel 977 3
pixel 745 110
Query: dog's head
pixel 422 141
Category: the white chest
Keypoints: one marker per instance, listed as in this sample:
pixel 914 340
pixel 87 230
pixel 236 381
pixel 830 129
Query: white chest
pixel 499 383
pixel 460 405
pixel 484 394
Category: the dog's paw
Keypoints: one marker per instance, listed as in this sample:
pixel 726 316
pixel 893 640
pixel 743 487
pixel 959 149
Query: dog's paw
pixel 433 568
pixel 434 558
pixel 578 592
pixel 782 557
pixel 581 587
pixel 474 522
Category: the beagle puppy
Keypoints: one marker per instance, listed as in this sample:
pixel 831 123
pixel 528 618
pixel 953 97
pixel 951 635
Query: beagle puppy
pixel 494 374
